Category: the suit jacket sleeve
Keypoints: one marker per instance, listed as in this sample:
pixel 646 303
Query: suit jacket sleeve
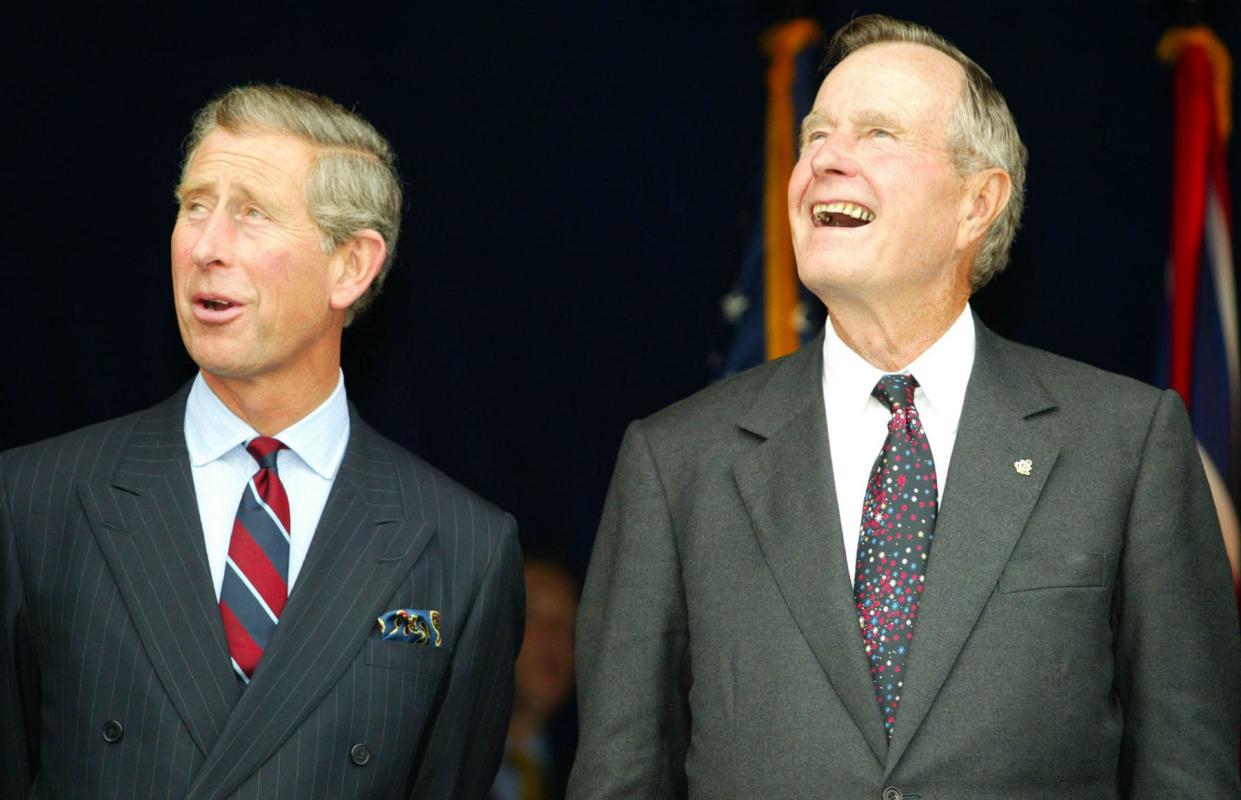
pixel 466 741
pixel 18 694
pixel 1178 664
pixel 632 634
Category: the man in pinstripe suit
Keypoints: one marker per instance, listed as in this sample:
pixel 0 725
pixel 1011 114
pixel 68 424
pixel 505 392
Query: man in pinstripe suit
pixel 115 670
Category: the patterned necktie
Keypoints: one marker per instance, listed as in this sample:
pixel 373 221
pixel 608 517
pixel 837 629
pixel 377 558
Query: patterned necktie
pixel 256 574
pixel 898 525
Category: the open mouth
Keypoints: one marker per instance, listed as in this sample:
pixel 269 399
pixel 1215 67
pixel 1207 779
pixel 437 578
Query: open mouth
pixel 214 304
pixel 841 215
pixel 213 309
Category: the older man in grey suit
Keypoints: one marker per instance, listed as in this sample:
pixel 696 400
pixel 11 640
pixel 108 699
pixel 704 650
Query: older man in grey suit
pixel 246 592
pixel 1036 602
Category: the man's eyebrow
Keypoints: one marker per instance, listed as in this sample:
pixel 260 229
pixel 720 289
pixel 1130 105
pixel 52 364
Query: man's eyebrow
pixel 867 118
pixel 811 120
pixel 878 119
pixel 189 187
pixel 240 190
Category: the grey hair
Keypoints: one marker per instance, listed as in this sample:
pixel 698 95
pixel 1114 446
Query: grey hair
pixel 353 184
pixel 982 132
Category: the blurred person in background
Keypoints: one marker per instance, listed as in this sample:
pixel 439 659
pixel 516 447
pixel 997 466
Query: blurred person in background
pixel 535 761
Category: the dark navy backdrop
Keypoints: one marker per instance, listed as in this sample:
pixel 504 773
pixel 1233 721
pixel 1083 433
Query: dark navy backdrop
pixel 579 179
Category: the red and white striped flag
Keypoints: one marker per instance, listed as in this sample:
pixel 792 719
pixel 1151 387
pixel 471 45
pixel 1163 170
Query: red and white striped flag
pixel 1203 364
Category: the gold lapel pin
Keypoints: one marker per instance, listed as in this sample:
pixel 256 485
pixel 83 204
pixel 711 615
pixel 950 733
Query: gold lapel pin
pixel 1023 466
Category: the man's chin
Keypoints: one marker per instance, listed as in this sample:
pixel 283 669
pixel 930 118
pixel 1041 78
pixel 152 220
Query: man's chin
pixel 223 367
pixel 827 277
pixel 219 353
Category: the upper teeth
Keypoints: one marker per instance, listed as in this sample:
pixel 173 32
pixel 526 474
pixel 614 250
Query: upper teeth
pixel 821 210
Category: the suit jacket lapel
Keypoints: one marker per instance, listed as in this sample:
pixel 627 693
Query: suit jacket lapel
pixel 145 519
pixel 787 486
pixel 985 504
pixel 367 540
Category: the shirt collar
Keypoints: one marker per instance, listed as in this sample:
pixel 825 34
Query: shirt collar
pixel 319 438
pixel 942 371
pixel 847 377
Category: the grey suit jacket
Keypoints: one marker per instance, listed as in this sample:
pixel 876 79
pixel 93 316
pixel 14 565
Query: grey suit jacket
pixel 114 671
pixel 1077 635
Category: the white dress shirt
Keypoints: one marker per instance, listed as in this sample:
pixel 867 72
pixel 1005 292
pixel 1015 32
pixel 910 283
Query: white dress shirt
pixel 221 466
pixel 857 423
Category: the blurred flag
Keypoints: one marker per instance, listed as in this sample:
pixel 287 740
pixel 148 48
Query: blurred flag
pixel 1201 359
pixel 769 311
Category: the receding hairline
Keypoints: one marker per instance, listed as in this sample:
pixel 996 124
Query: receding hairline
pixel 876 114
pixel 958 67
pixel 317 149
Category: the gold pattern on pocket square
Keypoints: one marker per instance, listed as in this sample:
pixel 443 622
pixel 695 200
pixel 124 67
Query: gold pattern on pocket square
pixel 411 625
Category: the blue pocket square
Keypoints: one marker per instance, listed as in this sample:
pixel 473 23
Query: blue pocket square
pixel 411 625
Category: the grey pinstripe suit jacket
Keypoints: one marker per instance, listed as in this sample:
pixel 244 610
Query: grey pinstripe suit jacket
pixel 109 615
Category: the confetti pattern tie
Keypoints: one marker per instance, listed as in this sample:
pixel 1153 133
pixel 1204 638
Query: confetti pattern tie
pixel 898 525
pixel 256 574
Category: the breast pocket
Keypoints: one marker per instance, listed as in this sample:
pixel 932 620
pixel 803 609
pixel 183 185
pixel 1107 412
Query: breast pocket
pixel 407 656
pixel 1063 571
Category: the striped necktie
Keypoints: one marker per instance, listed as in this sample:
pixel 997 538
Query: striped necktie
pixel 256 574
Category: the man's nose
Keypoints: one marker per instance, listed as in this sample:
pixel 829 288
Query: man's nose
pixel 214 245
pixel 834 153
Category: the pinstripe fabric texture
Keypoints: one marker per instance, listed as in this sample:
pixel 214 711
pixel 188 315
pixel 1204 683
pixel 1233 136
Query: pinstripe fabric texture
pixel 111 632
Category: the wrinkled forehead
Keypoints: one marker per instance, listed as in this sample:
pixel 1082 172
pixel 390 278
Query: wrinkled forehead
pixel 282 147
pixel 271 154
pixel 915 78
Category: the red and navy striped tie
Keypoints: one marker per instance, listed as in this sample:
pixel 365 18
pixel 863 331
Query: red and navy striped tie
pixel 256 574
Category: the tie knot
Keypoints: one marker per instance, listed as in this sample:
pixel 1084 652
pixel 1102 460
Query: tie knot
pixel 896 391
pixel 264 449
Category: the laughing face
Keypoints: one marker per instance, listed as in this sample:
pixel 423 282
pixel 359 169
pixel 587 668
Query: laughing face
pixel 874 203
pixel 251 283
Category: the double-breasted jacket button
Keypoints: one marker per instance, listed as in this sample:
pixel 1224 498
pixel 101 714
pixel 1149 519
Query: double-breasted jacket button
pixel 113 731
pixel 360 754
pixel 892 793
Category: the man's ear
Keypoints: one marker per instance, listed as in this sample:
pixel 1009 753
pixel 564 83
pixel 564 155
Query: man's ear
pixel 355 264
pixel 987 194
